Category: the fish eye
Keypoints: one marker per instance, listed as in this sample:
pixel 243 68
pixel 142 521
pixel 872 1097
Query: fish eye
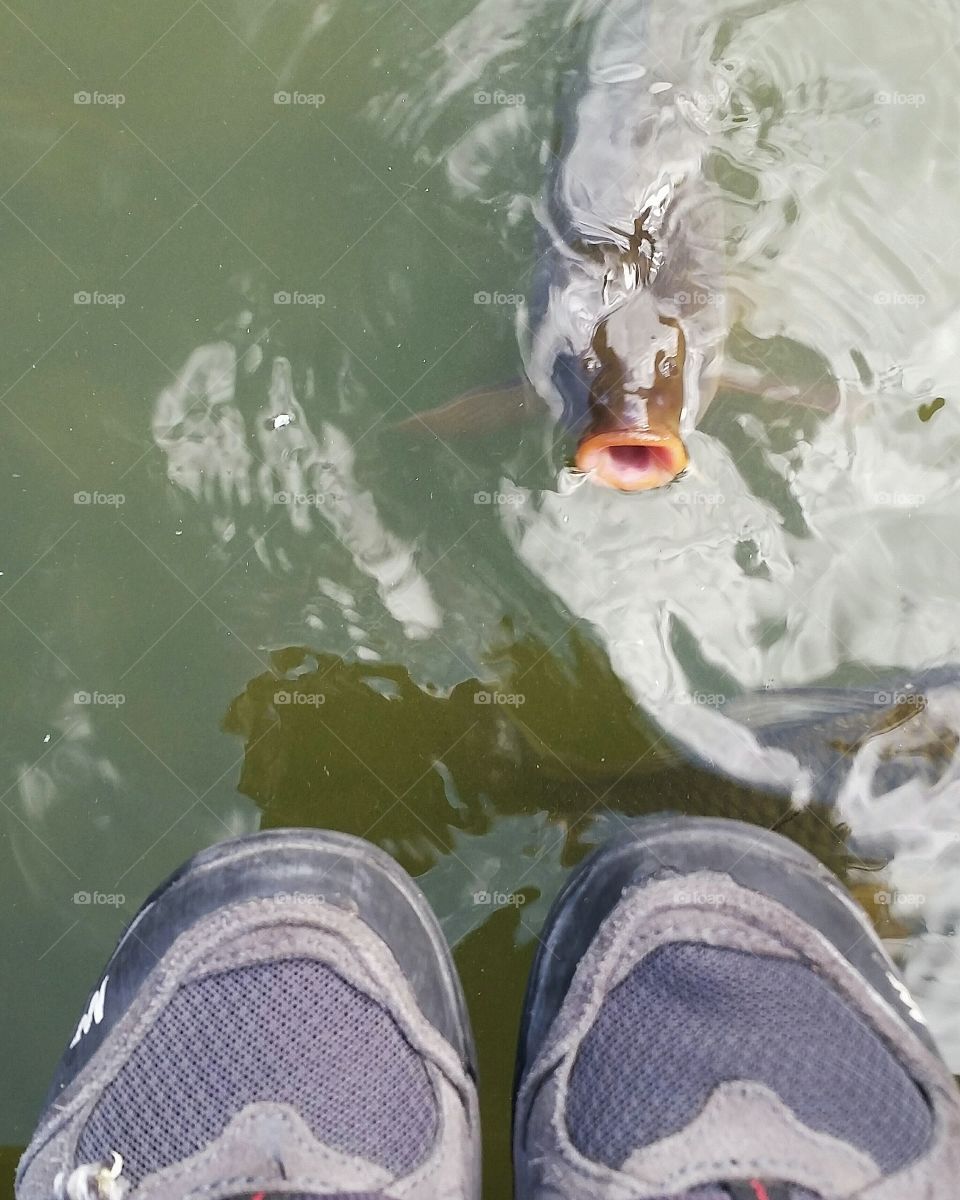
pixel 667 367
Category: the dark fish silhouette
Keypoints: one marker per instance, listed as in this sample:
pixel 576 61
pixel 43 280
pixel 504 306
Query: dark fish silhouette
pixel 622 332
pixel 626 319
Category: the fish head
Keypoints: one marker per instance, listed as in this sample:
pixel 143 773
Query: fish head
pixel 630 436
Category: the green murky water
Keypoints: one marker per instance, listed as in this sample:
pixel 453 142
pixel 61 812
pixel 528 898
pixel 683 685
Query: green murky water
pixel 241 242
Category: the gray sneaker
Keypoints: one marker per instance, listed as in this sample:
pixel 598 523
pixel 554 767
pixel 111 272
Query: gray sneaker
pixel 710 1016
pixel 282 1016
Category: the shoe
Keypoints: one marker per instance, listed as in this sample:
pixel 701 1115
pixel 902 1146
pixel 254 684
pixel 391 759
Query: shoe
pixel 282 1016
pixel 711 1015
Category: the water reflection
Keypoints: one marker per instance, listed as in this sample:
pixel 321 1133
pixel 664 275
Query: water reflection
pixel 809 543
pixel 803 546
pixel 478 790
pixel 864 592
pixel 267 467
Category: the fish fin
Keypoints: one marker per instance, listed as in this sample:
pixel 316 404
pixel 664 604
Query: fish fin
pixel 823 395
pixel 739 377
pixel 478 412
pixel 800 705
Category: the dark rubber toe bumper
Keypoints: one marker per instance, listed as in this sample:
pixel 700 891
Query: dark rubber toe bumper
pixel 343 870
pixel 665 847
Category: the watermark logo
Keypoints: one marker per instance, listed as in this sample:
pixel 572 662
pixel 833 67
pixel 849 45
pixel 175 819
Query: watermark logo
pixel 500 899
pixel 899 900
pixel 300 897
pixel 500 99
pixel 699 299
pixel 705 699
pixel 901 99
pixel 100 299
pixel 299 99
pixel 707 499
pixel 101 99
pixel 508 498
pixel 700 899
pixel 300 699
pixel 901 699
pixel 499 299
pixel 100 499
pixel 508 699
pixel 300 499
pixel 106 899
pixel 103 699
pixel 900 299
pixel 300 299
pixel 899 499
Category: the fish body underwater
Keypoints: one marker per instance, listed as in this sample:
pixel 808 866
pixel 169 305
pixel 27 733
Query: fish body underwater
pixel 624 329
pixel 898 731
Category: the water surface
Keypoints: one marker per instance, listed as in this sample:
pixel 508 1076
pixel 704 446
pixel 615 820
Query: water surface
pixel 239 244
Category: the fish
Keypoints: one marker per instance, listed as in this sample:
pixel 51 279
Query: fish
pixel 622 328
pixel 627 314
pixel 900 727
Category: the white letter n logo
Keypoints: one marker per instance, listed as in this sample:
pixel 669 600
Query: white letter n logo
pixel 93 1015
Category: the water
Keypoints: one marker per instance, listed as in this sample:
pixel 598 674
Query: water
pixel 234 598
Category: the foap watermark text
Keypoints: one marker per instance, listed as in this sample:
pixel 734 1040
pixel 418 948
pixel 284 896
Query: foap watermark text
pixel 100 499
pixel 299 99
pixel 500 99
pixel 300 299
pixel 98 899
pixel 100 699
pixel 100 99
pixel 299 699
pixel 500 899
pixel 100 299
pixel 505 699
pixel 499 299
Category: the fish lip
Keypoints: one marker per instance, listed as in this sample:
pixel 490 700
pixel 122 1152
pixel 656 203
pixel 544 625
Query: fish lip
pixel 668 459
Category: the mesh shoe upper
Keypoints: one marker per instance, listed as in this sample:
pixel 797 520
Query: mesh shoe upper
pixel 691 1016
pixel 251 1035
pixel 686 1029
pixel 245 1035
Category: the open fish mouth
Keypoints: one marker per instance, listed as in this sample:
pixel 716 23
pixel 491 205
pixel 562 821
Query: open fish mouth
pixel 632 460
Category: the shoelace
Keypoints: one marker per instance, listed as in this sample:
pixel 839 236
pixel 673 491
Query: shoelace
pixel 92 1181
